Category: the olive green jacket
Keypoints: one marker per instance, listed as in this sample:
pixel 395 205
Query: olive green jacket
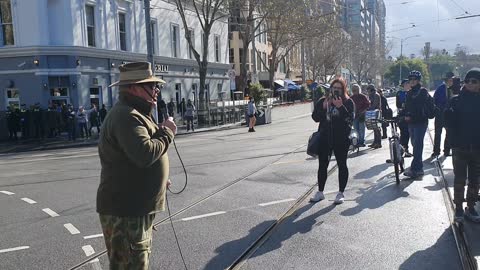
pixel 135 166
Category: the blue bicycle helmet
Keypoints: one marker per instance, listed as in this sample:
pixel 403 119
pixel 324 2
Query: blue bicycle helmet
pixel 415 74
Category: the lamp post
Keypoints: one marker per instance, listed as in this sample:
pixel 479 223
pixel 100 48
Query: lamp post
pixel 401 52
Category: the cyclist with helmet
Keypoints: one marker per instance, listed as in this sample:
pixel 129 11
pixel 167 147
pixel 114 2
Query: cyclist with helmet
pixel 419 107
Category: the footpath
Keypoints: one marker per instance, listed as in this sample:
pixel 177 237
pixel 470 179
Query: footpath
pixel 280 114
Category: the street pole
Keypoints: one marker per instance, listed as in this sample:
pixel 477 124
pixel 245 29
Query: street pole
pixel 149 33
pixel 150 47
pixel 401 56
pixel 303 62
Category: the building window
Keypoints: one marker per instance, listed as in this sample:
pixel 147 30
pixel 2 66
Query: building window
pixel 90 13
pixel 282 66
pixel 95 96
pixel 6 25
pixel 192 39
pixel 175 41
pixel 232 55
pixel 220 92
pixel 240 55
pixel 259 62
pixel 13 98
pixel 123 31
pixel 217 48
pixel 153 28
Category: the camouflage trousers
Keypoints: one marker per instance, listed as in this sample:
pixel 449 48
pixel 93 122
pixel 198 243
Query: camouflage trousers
pixel 128 241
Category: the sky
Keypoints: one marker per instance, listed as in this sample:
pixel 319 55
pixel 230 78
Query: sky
pixel 433 23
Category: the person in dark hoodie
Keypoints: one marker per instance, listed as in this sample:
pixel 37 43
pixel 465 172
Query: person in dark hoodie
pixel 442 95
pixel 375 104
pixel 419 107
pixel 461 119
pixel 334 114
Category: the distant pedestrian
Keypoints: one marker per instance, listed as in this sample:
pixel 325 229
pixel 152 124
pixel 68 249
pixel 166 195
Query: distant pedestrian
pixel 103 113
pixel 375 104
pixel 461 119
pixel 387 113
pixel 134 177
pixel 24 120
pixel 334 114
pixel 93 119
pixel 419 107
pixel 171 108
pixel 361 105
pixel 189 115
pixel 13 123
pixel 442 95
pixel 82 120
pixel 251 111
pixel 70 118
pixel 162 111
pixel 401 98
pixel 183 107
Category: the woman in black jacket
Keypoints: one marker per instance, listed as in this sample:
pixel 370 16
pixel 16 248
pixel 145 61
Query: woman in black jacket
pixel 335 114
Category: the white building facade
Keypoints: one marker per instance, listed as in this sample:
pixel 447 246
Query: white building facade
pixel 68 51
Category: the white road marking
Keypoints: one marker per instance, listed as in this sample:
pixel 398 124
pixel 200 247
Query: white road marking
pixel 71 228
pixel 93 236
pixel 28 200
pixel 89 251
pixel 202 216
pixel 6 192
pixel 50 212
pixel 289 162
pixel 276 202
pixel 13 249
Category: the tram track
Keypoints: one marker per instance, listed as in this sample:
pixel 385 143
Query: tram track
pixel 199 201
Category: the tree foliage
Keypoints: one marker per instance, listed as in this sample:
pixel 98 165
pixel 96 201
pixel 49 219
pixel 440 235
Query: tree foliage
pixel 392 73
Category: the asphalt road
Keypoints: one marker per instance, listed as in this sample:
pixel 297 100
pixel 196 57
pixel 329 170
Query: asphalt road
pixel 48 219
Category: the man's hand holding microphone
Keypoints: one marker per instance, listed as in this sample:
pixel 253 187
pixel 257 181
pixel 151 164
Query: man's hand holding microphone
pixel 169 123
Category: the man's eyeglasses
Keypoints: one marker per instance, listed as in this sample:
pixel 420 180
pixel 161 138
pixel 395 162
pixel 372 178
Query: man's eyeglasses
pixel 412 79
pixel 337 89
pixel 472 81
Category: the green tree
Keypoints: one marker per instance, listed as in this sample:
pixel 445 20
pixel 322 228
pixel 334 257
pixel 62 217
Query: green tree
pixel 393 71
pixel 441 64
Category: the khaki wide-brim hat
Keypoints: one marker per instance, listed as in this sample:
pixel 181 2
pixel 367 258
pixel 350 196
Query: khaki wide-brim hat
pixel 136 73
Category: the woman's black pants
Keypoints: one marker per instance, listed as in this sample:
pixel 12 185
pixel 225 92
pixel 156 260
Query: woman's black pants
pixel 341 153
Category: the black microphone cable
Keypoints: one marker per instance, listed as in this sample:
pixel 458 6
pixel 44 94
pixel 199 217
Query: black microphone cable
pixel 168 206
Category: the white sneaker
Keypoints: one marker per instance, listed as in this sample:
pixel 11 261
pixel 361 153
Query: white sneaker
pixel 317 197
pixel 339 199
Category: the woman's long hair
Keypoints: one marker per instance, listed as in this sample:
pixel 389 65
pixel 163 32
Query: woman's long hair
pixel 344 87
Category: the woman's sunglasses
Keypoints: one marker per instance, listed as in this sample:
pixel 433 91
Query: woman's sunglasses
pixel 472 81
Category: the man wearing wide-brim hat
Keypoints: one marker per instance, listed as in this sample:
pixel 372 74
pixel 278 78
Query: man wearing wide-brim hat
pixel 442 95
pixel 135 168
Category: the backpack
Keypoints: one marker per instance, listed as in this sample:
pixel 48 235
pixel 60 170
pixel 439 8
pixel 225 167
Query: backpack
pixel 430 109
pixel 402 96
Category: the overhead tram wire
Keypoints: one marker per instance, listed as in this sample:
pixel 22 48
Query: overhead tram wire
pixel 455 2
pixel 427 23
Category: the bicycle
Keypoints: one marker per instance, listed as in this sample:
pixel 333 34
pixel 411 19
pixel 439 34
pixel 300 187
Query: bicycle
pixel 396 149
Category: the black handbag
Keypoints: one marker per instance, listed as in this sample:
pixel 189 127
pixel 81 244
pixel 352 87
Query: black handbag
pixel 313 148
